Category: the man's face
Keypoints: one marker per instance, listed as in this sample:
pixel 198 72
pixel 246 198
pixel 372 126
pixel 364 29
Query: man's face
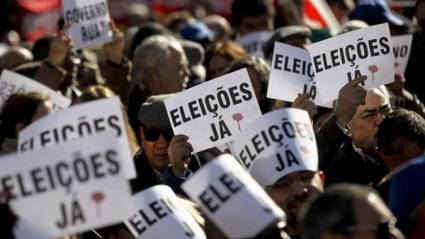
pixel 155 144
pixel 251 24
pixel 367 119
pixel 373 220
pixel 292 191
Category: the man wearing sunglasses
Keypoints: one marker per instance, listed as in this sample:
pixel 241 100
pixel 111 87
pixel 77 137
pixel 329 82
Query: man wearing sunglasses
pixel 348 211
pixel 164 157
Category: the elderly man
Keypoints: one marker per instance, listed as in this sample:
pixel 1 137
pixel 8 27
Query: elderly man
pixel 346 141
pixel 348 211
pixel 160 67
pixel 164 157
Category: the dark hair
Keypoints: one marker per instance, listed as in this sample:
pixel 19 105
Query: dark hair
pixel 227 49
pixel 19 108
pixel 401 122
pixel 41 48
pixel 241 8
pixel 332 211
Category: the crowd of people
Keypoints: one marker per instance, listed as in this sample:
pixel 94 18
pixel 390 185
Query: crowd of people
pixel 370 144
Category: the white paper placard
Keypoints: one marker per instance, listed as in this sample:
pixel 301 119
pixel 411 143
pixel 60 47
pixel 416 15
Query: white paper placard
pixel 401 48
pixel 89 20
pixel 77 122
pixel 291 74
pixel 214 112
pixel 232 199
pixel 12 83
pixel 253 42
pixel 159 214
pixel 364 52
pixel 67 189
pixel 284 142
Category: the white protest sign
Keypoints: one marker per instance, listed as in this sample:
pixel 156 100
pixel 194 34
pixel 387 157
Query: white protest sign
pixel 364 52
pixel 158 213
pixel 283 139
pixel 89 20
pixel 232 199
pixel 401 49
pixel 12 83
pixel 214 112
pixel 291 74
pixel 253 42
pixel 67 189
pixel 77 122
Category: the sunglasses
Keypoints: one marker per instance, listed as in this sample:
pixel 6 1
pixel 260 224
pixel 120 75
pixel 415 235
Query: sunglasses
pixel 154 134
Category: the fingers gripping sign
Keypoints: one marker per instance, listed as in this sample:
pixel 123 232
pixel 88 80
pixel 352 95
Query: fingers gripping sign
pixel 350 96
pixel 60 46
pixel 179 152
pixel 114 50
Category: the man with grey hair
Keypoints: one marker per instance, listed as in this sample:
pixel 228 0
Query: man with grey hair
pixel 160 67
pixel 348 211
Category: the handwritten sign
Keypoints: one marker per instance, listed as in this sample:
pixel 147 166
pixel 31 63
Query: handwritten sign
pixel 401 49
pixel 77 122
pixel 67 189
pixel 160 214
pixel 214 112
pixel 89 20
pixel 12 83
pixel 282 142
pixel 232 199
pixel 364 52
pixel 253 42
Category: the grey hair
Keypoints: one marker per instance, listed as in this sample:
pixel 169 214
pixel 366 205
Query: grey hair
pixel 153 52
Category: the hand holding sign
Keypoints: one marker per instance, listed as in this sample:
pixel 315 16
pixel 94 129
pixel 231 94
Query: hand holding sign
pixel 114 50
pixel 179 152
pixel 60 46
pixel 302 102
pixel 350 96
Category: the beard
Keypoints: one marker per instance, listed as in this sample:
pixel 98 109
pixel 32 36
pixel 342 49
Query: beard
pixel 294 205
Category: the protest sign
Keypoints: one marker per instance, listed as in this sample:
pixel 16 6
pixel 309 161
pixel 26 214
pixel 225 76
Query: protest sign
pixel 78 122
pixel 364 52
pixel 214 112
pixel 253 42
pixel 283 138
pixel 158 213
pixel 291 74
pixel 67 189
pixel 401 48
pixel 232 199
pixel 89 20
pixel 12 83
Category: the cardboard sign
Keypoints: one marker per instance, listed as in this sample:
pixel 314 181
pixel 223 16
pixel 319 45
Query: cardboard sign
pixel 291 74
pixel 214 112
pixel 12 83
pixel 232 199
pixel 364 52
pixel 283 140
pixel 401 49
pixel 77 122
pixel 160 214
pixel 67 189
pixel 89 20
pixel 253 42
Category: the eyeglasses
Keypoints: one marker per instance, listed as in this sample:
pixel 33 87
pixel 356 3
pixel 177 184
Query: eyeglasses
pixel 153 134
pixel 369 115
pixel 382 228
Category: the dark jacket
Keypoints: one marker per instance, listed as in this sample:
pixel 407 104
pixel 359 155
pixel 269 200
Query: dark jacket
pixel 341 162
pixel 147 177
